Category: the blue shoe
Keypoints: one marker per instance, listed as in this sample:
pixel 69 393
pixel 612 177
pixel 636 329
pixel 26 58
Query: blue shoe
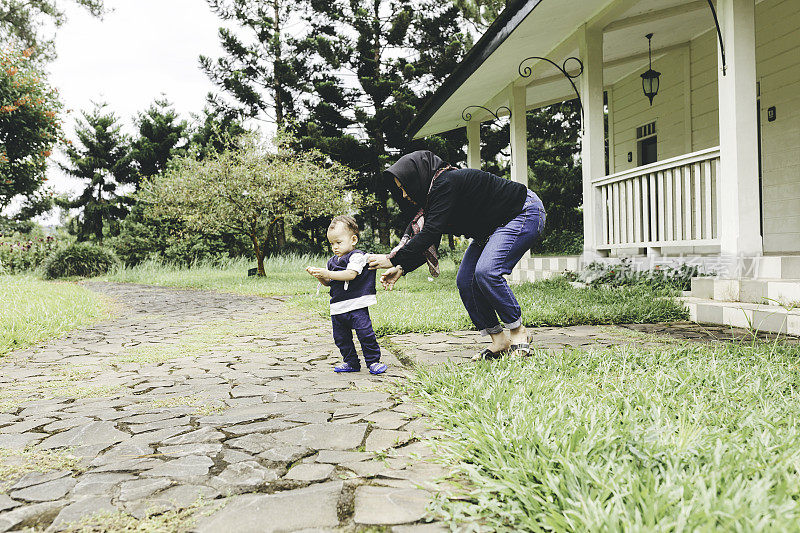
pixel 345 367
pixel 377 368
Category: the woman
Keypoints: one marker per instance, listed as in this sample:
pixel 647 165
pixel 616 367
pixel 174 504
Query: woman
pixel 502 217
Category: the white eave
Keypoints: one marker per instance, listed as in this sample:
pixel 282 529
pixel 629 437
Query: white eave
pixel 550 29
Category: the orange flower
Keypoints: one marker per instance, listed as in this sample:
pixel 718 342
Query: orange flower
pixel 28 52
pixel 12 71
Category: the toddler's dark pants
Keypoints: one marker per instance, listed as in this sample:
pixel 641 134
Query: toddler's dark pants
pixel 343 326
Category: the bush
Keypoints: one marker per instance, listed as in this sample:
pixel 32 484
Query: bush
pixel 144 238
pixel 79 259
pixel 560 242
pixel 597 274
pixel 24 253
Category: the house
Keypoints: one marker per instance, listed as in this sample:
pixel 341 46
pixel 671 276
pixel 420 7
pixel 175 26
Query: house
pixel 707 173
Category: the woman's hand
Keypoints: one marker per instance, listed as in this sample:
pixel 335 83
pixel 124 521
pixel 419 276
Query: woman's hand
pixel 390 277
pixel 377 261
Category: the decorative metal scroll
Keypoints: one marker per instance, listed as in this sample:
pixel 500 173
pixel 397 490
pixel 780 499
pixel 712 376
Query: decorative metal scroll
pixel 527 72
pixel 719 35
pixel 466 115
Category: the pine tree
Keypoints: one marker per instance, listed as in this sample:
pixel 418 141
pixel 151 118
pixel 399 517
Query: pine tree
pixel 216 129
pixel 375 62
pixel 162 135
pixel 102 160
pixel 260 70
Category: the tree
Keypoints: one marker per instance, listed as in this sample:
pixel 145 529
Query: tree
pixel 555 173
pixel 217 128
pixel 29 129
pixel 373 65
pixel 25 22
pixel 480 12
pixel 103 161
pixel 248 189
pixel 257 71
pixel 161 136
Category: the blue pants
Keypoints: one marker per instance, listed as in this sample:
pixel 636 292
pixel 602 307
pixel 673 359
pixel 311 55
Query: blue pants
pixel 483 289
pixel 343 326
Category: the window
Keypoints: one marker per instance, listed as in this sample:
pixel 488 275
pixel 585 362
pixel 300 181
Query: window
pixel 646 144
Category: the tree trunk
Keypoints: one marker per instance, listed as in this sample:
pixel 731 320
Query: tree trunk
pixel 276 50
pixel 280 234
pixel 383 217
pixel 259 255
pixel 451 241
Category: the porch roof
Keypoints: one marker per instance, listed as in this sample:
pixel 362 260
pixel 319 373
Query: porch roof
pixel 550 28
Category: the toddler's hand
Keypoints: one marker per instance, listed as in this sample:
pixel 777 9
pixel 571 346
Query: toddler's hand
pixel 316 272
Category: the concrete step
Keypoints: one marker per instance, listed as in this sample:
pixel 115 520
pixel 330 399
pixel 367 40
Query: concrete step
pixel 776 267
pixel 775 292
pixel 744 315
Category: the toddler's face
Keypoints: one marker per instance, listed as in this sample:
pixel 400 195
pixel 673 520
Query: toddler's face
pixel 342 241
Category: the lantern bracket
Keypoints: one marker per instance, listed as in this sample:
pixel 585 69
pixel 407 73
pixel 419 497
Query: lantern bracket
pixel 719 36
pixel 466 115
pixel 527 72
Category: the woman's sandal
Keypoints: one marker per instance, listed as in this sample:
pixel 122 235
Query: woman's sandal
pixel 520 350
pixel 488 354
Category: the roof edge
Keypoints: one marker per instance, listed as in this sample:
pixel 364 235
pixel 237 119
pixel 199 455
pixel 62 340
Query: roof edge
pixel 511 17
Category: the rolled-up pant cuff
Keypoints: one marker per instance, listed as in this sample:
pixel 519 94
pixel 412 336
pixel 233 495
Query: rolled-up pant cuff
pixel 492 330
pixel 514 325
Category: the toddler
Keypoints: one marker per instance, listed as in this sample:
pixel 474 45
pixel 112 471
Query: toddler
pixel 352 292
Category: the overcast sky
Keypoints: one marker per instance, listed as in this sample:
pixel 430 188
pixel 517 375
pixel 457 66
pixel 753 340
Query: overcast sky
pixel 137 52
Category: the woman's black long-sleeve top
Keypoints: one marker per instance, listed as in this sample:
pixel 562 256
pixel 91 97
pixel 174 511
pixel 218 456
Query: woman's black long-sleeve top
pixel 465 202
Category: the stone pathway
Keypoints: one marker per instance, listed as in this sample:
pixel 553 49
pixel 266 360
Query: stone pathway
pixel 222 404
pixel 224 408
pixel 460 346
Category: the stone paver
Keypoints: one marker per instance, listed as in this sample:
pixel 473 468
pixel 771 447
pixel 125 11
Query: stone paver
pixel 294 510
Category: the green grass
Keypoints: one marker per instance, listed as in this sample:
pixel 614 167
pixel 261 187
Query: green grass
pixel 16 463
pixel 416 304
pixel 32 310
pixel 285 276
pixel 627 439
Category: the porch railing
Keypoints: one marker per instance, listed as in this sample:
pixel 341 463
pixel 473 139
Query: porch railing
pixel 668 203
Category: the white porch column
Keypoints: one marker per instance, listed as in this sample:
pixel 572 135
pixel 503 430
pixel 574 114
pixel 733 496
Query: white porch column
pixel 739 209
pixel 593 151
pixel 519 161
pixel 519 135
pixel 474 144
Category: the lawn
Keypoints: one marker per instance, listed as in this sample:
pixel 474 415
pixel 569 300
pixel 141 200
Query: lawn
pixel 675 438
pixel 32 310
pixel 418 304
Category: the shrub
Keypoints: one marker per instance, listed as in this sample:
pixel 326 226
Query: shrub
pixel 24 253
pixel 597 274
pixel 560 242
pixel 143 238
pixel 79 259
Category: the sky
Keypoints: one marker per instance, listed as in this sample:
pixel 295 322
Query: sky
pixel 143 48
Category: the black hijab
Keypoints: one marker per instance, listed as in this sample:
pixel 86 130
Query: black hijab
pixel 415 172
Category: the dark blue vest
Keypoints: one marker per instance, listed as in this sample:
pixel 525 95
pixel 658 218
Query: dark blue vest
pixel 362 285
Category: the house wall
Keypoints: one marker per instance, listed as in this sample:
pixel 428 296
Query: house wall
pixel 778 70
pixel 631 109
pixel 689 121
pixel 686 114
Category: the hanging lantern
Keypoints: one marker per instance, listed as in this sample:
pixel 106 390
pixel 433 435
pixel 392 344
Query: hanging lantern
pixel 650 79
